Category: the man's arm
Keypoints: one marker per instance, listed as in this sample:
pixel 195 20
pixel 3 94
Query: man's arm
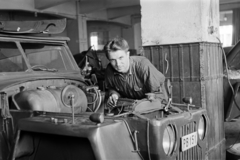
pixel 113 97
pixel 112 94
pixel 108 83
pixel 152 77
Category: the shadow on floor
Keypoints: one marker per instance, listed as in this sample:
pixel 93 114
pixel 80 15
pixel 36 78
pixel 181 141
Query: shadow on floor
pixel 232 134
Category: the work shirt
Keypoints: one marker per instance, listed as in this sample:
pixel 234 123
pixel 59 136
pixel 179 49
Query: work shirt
pixel 141 78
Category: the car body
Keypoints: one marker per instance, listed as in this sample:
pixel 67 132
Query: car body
pixel 139 132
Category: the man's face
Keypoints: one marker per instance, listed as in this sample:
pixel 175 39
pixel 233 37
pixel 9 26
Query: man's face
pixel 119 60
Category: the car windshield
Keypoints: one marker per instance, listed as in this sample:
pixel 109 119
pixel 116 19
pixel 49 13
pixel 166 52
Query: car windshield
pixel 47 57
pixel 40 56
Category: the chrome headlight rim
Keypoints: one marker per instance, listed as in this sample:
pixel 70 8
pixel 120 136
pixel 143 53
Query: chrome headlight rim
pixel 169 139
pixel 202 127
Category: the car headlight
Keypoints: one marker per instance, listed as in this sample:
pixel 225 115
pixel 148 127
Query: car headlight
pixel 201 128
pixel 169 139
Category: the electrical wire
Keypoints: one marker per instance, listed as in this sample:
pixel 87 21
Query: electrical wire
pixel 120 110
pixel 95 90
pixel 130 133
pixel 225 60
pixel 100 101
pixel 167 63
pixel 90 109
pixel 233 92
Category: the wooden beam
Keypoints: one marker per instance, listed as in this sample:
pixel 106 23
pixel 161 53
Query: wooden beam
pixel 44 4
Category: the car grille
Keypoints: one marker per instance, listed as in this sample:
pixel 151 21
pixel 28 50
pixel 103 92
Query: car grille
pixel 194 153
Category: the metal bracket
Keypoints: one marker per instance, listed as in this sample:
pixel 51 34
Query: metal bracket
pixel 136 141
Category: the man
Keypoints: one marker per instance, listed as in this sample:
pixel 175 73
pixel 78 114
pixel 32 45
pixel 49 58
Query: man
pixel 130 77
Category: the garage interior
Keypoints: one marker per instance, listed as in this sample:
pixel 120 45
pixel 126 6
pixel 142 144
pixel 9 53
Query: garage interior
pixel 92 23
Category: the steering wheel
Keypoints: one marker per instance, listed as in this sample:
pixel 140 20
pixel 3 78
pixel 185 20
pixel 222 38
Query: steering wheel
pixel 39 66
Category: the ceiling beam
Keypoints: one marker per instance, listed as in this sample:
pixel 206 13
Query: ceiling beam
pixel 44 4
pixel 229 6
pixel 91 6
pixel 122 3
pixel 87 6
pixel 113 13
pixel 228 1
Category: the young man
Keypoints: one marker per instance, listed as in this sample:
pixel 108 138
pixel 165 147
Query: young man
pixel 130 77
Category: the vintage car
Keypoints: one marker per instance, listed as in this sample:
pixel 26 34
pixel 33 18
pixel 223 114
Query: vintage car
pixel 34 70
pixel 50 111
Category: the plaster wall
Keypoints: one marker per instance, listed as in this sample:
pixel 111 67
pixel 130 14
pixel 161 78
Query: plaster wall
pixel 17 4
pixel 68 9
pixel 127 33
pixel 179 21
pixel 72 33
pixel 226 18
pixel 124 20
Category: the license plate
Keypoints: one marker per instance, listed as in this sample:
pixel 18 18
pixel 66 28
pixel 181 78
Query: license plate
pixel 189 141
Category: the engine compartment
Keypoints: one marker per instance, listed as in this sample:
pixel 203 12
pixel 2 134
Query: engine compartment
pixel 48 99
pixel 47 95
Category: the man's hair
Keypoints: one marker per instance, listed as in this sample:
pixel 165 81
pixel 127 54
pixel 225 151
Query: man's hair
pixel 116 44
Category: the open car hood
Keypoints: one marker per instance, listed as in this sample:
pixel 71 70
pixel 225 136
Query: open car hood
pixel 33 27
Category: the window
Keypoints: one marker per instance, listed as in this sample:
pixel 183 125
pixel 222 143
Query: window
pixel 94 40
pixel 98 39
pixel 226 28
pixel 226 35
pixel 47 56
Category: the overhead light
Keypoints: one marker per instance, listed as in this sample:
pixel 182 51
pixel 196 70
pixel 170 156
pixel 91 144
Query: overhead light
pixel 225 17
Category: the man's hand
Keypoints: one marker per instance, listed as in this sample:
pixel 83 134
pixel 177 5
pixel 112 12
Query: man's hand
pixel 112 100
